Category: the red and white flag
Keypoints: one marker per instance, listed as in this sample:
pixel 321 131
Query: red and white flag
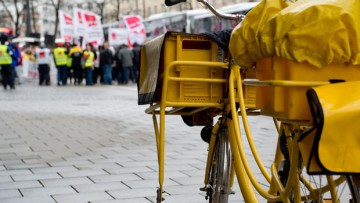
pixel 136 28
pixel 118 36
pixel 88 26
pixel 79 24
pixel 66 27
pixel 95 34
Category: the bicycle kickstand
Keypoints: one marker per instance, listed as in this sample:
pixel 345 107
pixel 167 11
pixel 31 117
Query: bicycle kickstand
pixel 159 196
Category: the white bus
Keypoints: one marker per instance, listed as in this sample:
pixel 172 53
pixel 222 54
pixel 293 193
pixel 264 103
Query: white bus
pixel 208 22
pixel 119 24
pixel 181 21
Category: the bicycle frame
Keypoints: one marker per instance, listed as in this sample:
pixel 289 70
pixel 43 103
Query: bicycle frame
pixel 246 179
pixel 160 128
pixel 288 190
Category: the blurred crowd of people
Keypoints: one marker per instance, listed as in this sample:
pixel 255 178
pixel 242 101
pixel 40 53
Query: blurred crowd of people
pixel 103 65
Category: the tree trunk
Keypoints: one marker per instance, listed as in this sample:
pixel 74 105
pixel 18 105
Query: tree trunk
pixel 118 10
pixel 144 9
pixel 33 16
pixel 56 22
pixel 56 8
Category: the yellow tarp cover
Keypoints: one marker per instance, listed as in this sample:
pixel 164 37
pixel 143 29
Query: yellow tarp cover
pixel 320 32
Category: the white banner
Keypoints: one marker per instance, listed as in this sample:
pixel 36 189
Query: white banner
pixel 79 23
pixel 66 27
pixel 88 26
pixel 118 36
pixel 95 34
pixel 136 28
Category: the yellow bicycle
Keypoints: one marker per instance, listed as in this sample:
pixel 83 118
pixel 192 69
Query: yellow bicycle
pixel 191 76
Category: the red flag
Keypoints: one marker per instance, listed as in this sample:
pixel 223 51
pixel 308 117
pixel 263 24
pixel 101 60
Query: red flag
pixel 90 19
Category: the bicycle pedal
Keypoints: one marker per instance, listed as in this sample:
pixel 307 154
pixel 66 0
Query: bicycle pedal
pixel 157 200
pixel 203 189
pixel 229 193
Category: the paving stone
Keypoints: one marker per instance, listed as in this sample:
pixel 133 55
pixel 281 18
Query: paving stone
pixel 5 179
pixel 57 169
pixel 47 191
pixel 41 176
pixel 9 194
pixel 181 190
pixel 100 187
pixel 82 197
pixel 185 198
pixel 19 185
pixel 114 178
pixel 133 193
pixel 148 183
pixel 97 166
pixel 189 181
pixel 15 172
pixel 129 170
pixel 134 200
pixel 168 174
pixel 66 181
pixel 28 200
pixel 80 173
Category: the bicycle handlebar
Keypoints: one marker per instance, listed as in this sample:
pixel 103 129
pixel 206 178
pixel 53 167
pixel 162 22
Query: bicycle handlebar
pixel 173 2
pixel 236 17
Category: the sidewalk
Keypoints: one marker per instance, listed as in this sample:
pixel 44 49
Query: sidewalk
pixel 95 144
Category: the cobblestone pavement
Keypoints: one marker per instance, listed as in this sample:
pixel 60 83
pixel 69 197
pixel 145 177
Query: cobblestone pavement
pixel 95 144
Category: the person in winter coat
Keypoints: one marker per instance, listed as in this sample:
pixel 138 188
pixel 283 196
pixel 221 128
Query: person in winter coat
pixel 76 55
pixel 106 60
pixel 126 56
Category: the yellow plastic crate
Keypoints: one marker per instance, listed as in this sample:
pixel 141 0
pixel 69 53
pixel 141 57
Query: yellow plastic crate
pixel 249 91
pixel 290 103
pixel 188 47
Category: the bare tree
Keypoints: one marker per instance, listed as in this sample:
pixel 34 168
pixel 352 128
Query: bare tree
pixel 57 6
pixel 33 14
pixel 16 18
pixel 100 9
pixel 144 9
pixel 117 4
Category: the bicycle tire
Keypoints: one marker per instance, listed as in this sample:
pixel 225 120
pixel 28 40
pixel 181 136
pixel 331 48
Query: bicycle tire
pixel 221 169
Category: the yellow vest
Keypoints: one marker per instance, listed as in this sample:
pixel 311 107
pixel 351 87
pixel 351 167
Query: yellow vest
pixel 69 61
pixel 5 58
pixel 89 61
pixel 60 56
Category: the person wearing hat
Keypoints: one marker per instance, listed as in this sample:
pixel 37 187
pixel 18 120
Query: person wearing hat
pixel 5 63
pixel 43 58
pixel 61 58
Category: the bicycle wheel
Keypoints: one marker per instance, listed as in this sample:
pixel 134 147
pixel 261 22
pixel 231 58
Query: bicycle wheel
pixel 314 188
pixel 221 169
